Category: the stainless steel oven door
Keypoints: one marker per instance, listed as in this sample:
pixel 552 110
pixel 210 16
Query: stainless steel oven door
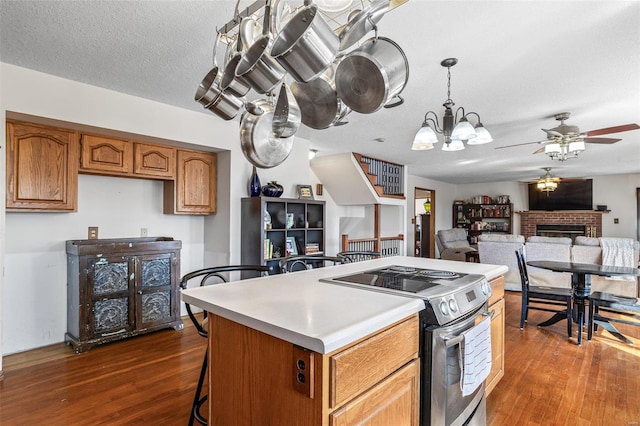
pixel 446 405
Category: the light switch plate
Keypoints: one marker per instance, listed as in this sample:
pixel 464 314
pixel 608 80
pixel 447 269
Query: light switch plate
pixel 93 233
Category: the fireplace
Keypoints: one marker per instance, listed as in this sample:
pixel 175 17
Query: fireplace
pixel 569 231
pixel 591 221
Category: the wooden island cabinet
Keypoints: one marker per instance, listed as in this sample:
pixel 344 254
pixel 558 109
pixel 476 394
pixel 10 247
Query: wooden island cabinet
pixel 496 309
pixel 273 381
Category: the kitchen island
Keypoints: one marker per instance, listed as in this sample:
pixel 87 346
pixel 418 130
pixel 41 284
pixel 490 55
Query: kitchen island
pixel 291 349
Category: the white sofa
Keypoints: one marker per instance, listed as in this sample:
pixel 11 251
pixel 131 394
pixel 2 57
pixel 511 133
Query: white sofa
pixel 548 248
pixel 500 249
pixel 588 250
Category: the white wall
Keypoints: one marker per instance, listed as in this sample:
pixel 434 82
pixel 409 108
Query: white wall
pixel 33 289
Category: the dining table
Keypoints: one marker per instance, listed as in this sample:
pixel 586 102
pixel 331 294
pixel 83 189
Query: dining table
pixel 581 283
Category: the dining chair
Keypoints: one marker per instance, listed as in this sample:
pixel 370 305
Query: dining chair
pixel 210 276
pixel 358 256
pixel 543 298
pixel 303 262
pixel 616 308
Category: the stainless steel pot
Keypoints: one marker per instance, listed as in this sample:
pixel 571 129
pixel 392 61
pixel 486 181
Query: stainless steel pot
pixel 372 75
pixel 226 106
pixel 363 22
pixel 307 45
pixel 319 103
pixel 259 69
pixel 259 145
pixel 230 82
pixel 209 88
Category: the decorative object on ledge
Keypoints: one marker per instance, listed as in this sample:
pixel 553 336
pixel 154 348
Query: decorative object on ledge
pixel 305 192
pixel 548 183
pixel 455 130
pixel 566 141
pixel 254 183
pixel 272 189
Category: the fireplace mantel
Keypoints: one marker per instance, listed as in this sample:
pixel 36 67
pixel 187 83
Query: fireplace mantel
pixel 589 218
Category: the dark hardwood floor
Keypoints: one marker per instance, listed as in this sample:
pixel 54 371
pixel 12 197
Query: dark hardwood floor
pixel 150 379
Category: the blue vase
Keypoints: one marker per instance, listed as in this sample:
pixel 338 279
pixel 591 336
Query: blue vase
pixel 254 184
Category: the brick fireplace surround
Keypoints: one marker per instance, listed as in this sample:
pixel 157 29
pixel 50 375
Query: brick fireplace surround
pixel 529 220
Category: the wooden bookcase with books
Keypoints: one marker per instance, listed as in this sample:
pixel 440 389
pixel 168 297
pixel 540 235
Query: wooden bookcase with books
pixel 273 228
pixel 483 214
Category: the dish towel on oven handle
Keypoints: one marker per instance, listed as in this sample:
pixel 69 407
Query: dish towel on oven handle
pixel 475 356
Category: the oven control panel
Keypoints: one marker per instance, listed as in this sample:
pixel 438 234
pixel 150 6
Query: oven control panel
pixel 455 305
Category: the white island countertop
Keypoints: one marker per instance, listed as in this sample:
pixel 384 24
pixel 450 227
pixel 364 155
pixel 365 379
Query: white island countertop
pixel 320 316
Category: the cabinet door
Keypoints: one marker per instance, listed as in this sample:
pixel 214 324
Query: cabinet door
pixel 194 190
pixel 104 155
pixel 394 401
pixel 110 287
pixel 154 161
pixel 156 299
pixel 497 345
pixel 42 168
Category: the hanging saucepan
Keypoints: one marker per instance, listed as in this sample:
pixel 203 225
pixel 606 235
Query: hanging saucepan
pixel 230 82
pixel 307 45
pixel 259 145
pixel 372 75
pixel 286 116
pixel 363 22
pixel 319 103
pixel 257 67
pixel 209 88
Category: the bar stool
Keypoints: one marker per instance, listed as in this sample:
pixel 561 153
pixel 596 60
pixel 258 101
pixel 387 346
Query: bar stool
pixel 210 276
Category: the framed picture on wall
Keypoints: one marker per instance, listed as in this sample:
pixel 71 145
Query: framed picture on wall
pixel 305 192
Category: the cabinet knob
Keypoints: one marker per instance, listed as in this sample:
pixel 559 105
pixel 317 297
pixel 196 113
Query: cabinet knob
pixel 139 291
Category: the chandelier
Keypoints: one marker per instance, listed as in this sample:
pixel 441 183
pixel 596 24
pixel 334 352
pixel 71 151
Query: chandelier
pixel 456 131
pixel 547 183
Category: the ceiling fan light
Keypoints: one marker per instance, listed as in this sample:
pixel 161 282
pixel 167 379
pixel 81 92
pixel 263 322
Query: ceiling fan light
pixel 454 145
pixel 552 148
pixel 463 130
pixel 482 136
pixel 425 135
pixel 576 147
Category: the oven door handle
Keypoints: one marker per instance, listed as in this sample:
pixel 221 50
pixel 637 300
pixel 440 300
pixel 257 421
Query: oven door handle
pixel 452 341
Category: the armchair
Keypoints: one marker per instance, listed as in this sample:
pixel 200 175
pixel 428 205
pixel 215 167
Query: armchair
pixel 453 244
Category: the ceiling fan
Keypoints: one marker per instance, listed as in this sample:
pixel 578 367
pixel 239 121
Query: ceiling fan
pixel 549 183
pixel 566 141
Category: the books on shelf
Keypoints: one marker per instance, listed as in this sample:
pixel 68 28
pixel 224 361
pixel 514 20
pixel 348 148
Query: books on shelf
pixel 312 248
pixel 267 249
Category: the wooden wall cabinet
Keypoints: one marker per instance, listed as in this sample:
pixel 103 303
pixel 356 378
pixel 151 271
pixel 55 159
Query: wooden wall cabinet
pixel 496 308
pixel 42 168
pixel 375 380
pixel 194 189
pixel 265 230
pixel 119 288
pixel 120 157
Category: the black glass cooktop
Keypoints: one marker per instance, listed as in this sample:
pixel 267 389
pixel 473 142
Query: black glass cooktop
pixel 401 278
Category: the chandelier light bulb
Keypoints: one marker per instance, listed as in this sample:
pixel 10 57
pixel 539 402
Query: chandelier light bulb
pixel 482 136
pixel 463 130
pixel 455 145
pixel 425 135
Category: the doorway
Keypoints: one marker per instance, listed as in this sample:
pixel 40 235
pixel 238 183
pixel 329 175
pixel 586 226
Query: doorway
pixel 424 221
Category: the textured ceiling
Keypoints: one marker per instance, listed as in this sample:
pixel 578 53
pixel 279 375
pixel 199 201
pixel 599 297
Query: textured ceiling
pixel 520 62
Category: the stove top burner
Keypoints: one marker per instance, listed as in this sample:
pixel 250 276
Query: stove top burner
pixel 439 274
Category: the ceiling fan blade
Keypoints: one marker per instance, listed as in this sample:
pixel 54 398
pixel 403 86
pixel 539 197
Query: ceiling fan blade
pixel 521 144
pixel 539 151
pixel 615 129
pixel 601 140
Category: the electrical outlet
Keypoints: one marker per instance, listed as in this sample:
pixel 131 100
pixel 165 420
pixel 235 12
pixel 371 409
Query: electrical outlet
pixel 144 232
pixel 303 371
pixel 93 232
